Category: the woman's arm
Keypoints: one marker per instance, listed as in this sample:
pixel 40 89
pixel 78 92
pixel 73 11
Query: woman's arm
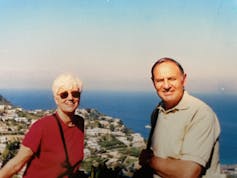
pixel 16 163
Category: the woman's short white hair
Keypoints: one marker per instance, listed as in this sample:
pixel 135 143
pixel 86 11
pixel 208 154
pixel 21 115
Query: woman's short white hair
pixel 66 80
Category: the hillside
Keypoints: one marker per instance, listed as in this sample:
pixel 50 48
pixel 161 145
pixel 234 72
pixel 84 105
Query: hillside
pixel 4 101
pixel 108 142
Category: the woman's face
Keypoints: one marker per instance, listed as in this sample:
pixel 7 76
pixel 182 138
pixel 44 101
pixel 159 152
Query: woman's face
pixel 67 99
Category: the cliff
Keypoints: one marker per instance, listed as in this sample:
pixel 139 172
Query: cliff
pixel 4 101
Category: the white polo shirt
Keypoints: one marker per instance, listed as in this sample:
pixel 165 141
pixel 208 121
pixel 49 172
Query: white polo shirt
pixel 189 131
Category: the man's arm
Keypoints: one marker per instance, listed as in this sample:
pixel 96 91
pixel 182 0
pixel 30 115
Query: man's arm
pixel 15 164
pixel 174 168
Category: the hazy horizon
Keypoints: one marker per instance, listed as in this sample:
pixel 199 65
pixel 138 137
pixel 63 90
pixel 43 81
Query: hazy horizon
pixel 112 44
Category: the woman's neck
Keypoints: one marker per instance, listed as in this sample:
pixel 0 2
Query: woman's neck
pixel 65 117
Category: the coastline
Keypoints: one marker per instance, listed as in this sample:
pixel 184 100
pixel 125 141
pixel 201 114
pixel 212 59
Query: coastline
pixel 134 110
pixel 99 130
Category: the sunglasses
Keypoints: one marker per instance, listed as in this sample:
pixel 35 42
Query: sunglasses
pixel 75 94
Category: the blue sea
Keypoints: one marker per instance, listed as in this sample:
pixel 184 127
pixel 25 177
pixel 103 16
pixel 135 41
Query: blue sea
pixel 134 109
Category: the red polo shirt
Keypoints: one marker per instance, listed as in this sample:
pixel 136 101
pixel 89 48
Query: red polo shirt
pixel 44 139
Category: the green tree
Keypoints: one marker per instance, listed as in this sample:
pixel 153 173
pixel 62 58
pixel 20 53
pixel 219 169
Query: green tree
pixel 10 151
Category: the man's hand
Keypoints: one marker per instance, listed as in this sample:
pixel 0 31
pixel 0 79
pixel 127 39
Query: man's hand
pixel 145 157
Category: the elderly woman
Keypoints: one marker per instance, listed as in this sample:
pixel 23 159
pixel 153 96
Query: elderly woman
pixel 53 146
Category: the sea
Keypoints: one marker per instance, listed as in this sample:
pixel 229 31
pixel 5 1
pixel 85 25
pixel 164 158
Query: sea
pixel 134 109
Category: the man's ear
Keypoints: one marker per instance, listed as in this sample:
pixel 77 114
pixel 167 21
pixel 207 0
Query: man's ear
pixel 152 80
pixel 184 79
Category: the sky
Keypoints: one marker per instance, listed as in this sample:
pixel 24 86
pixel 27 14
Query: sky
pixel 112 44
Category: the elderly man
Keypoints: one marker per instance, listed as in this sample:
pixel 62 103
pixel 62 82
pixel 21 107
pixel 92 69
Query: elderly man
pixel 185 141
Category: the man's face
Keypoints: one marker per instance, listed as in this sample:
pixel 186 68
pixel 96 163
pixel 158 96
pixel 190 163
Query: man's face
pixel 169 83
pixel 67 99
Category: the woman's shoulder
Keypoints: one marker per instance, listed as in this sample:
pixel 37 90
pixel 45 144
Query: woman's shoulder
pixel 47 119
pixel 78 121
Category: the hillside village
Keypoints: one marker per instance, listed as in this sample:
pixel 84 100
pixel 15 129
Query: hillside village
pixel 108 141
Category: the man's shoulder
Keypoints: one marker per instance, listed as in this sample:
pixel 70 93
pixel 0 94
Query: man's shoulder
pixel 202 109
pixel 195 101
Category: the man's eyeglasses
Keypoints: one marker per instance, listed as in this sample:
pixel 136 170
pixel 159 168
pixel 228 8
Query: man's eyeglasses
pixel 75 94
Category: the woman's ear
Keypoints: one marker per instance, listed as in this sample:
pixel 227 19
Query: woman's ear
pixel 56 98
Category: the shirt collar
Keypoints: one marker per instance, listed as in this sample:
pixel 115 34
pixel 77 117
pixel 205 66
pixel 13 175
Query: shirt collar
pixel 182 105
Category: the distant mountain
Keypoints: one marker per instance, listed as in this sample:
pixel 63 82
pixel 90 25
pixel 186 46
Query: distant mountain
pixel 4 101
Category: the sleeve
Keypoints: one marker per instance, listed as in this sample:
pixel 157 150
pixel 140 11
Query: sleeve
pixel 201 136
pixel 33 137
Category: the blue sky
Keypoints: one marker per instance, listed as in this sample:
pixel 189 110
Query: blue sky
pixel 112 44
